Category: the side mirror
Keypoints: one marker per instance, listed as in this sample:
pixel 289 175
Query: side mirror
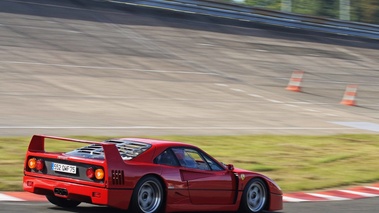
pixel 230 167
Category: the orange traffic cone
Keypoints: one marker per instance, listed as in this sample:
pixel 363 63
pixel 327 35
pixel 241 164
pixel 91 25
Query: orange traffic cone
pixel 349 96
pixel 295 81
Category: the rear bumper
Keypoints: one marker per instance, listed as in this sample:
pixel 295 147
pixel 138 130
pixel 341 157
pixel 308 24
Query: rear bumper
pixel 276 202
pixel 118 198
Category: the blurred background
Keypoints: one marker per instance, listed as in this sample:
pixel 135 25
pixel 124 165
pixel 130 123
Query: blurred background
pixel 358 10
pixel 100 68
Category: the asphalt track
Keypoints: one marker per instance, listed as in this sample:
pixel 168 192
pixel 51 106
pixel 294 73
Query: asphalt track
pixel 91 67
pixel 368 205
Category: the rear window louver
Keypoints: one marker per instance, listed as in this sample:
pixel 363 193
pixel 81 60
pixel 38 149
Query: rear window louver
pixel 128 149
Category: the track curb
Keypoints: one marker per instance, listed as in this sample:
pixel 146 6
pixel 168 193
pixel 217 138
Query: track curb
pixel 353 193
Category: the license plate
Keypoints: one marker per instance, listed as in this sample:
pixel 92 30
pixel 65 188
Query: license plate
pixel 58 167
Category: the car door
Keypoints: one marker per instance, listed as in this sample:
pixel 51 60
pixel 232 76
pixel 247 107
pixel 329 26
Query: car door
pixel 208 182
pixel 177 188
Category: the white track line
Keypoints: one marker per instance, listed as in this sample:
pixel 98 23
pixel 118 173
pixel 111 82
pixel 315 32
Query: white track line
pixel 291 105
pixel 363 194
pixel 174 127
pixel 222 85
pixel 42 28
pixel 256 96
pixel 328 197
pixel 371 187
pixel 4 197
pixel 291 199
pixel 273 101
pixel 237 90
pixel 312 110
pixel 202 44
pixel 107 68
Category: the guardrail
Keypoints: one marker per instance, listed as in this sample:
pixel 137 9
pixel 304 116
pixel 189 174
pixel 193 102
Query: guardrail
pixel 279 14
pixel 258 15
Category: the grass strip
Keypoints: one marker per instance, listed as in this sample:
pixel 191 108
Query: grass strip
pixel 296 163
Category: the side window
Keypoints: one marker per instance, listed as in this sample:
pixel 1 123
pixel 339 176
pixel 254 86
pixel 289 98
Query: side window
pixel 190 158
pixel 214 166
pixel 166 158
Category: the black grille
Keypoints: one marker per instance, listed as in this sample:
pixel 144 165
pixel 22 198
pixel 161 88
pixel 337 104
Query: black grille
pixel 117 177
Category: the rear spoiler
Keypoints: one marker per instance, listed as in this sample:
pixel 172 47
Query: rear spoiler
pixel 111 153
pixel 37 144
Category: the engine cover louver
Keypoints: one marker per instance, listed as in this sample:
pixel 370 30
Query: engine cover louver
pixel 128 149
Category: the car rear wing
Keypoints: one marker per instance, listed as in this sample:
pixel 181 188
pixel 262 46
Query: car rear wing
pixel 111 153
pixel 112 164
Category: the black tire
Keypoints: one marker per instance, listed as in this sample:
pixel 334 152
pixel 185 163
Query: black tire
pixel 148 196
pixel 254 197
pixel 62 202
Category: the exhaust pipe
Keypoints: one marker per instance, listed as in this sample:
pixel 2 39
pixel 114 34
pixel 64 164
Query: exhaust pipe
pixel 61 192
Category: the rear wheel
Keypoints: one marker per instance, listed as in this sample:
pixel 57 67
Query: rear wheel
pixel 255 196
pixel 62 202
pixel 148 196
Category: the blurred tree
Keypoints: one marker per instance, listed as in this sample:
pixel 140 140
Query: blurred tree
pixel 361 10
pixel 305 7
pixel 366 11
pixel 269 4
pixel 328 8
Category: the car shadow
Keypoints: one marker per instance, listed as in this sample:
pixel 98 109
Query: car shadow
pixel 101 209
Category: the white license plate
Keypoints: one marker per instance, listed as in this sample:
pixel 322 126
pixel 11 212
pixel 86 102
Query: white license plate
pixel 58 167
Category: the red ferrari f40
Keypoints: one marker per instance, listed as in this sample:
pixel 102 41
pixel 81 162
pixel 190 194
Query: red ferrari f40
pixel 144 176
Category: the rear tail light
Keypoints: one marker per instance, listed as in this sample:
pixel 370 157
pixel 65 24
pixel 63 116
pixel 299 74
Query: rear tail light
pixel 90 173
pixel 32 163
pixel 99 174
pixel 95 173
pixel 40 165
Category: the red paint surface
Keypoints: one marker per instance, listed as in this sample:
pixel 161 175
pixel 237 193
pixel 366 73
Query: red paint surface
pixel 187 189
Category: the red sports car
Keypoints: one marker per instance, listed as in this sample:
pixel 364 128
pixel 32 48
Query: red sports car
pixel 145 176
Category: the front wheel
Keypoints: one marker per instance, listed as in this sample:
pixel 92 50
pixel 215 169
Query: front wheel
pixel 254 197
pixel 148 196
pixel 62 202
